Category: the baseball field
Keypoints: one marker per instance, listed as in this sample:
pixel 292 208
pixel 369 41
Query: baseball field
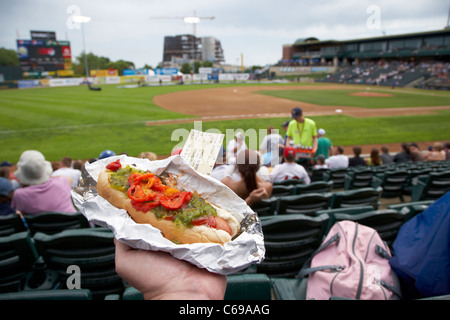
pixel 77 122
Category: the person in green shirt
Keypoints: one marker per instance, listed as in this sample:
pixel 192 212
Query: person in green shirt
pixel 301 131
pixel 323 144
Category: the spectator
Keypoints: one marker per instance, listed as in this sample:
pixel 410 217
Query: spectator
pixel 437 153
pixel 289 169
pixel 285 127
pixel 357 160
pixel 447 150
pixel 235 146
pixel 338 160
pixel 320 162
pixel 220 169
pixel 385 156
pixel 302 131
pixel 415 153
pixel 6 194
pixel 66 170
pixel 148 155
pixel 272 144
pixel 245 180
pixel 404 155
pixel 374 159
pixel 323 144
pixel 40 192
pixel 106 154
pixel 5 172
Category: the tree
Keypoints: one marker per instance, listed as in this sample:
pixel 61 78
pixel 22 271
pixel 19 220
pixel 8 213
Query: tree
pixel 8 57
pixel 186 68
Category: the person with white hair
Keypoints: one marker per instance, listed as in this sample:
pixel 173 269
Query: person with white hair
pixel 323 145
pixel 235 146
pixel 39 191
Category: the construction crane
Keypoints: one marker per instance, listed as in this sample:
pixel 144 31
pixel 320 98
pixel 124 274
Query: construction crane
pixel 192 19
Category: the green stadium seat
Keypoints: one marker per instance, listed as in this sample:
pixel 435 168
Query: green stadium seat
pixel 248 287
pixel 54 222
pixel 17 258
pixel 92 250
pixel 72 294
pixel 307 203
pixel 289 241
pixel 357 197
pixel 10 224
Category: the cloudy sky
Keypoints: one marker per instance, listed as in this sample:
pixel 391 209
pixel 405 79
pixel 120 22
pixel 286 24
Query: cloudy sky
pixel 134 30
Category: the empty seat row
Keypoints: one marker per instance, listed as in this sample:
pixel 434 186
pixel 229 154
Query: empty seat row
pixel 46 222
pixel 310 203
pixel 42 261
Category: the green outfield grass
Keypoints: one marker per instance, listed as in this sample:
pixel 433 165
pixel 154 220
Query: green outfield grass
pixel 343 97
pixel 79 123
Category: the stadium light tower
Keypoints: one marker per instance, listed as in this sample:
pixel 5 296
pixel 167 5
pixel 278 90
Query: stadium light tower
pixel 192 19
pixel 81 20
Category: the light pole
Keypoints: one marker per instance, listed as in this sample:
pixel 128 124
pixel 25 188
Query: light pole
pixel 81 20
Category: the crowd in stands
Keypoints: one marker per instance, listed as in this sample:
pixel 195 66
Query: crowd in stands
pixel 392 73
pixel 38 185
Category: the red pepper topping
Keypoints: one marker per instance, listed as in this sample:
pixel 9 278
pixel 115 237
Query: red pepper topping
pixel 114 166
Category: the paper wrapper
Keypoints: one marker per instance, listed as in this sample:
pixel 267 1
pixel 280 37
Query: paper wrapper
pixel 245 249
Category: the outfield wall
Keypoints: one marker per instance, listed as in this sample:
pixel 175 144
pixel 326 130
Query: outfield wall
pixel 64 82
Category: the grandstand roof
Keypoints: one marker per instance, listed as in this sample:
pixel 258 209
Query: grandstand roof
pixel 304 42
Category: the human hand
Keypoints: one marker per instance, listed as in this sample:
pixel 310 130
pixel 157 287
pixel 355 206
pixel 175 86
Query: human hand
pixel 256 196
pixel 159 276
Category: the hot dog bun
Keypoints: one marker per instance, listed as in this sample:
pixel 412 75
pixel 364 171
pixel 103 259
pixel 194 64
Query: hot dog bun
pixel 176 233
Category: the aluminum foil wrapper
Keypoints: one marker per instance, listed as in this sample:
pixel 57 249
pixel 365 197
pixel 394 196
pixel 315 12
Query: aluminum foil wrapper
pixel 246 248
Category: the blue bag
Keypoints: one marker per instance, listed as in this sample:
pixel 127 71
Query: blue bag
pixel 422 252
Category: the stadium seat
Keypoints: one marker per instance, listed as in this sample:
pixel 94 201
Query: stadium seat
pixel 386 222
pixel 431 187
pixel 92 250
pixel 72 294
pixel 10 224
pixel 289 241
pixel 54 222
pixel 392 182
pixel 357 197
pixel 266 207
pixel 320 174
pixel 288 182
pixel 306 204
pixel 282 190
pixel 289 288
pixel 411 209
pixel 345 210
pixel 338 177
pixel 17 258
pixel 358 178
pixel 314 187
pixel 248 287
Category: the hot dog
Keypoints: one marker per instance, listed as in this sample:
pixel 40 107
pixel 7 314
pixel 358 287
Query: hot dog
pixel 182 216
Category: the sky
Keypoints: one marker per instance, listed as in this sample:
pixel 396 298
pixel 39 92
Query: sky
pixel 254 30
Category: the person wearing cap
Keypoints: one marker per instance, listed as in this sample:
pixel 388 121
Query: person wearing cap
pixel 39 191
pixel 302 131
pixel 6 193
pixel 323 144
pixel 289 169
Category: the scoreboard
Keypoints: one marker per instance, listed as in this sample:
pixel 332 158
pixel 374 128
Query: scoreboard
pixel 44 55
